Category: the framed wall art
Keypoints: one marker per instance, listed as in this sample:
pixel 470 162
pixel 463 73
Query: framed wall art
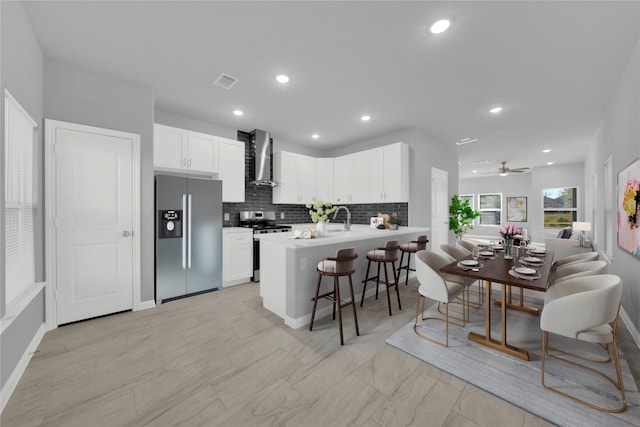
pixel 628 201
pixel 517 209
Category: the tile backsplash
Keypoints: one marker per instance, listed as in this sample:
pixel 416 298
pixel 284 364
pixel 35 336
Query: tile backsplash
pixel 258 198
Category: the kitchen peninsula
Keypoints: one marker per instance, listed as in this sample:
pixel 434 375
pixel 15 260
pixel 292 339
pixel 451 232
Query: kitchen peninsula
pixel 288 267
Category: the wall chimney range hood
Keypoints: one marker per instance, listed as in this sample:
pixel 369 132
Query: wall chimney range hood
pixel 261 141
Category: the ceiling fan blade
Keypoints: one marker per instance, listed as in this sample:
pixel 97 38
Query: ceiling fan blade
pixel 518 169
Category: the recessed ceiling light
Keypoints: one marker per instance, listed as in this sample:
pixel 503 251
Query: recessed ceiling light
pixel 365 118
pixel 238 112
pixel 546 150
pixel 495 110
pixel 440 26
pixel 315 136
pixel 474 171
pixel 549 163
pixel 282 78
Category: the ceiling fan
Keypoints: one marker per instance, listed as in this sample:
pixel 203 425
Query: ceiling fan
pixel 504 170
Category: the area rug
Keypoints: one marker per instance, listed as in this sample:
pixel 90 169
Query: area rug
pixel 518 381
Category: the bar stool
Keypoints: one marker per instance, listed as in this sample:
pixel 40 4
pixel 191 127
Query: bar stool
pixel 411 248
pixel 386 255
pixel 343 264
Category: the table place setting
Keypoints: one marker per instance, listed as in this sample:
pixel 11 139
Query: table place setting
pixel 525 273
pixel 469 264
pixel 536 252
pixel 531 261
pixel 486 254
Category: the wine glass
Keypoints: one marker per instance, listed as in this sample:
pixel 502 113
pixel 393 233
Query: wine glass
pixel 475 253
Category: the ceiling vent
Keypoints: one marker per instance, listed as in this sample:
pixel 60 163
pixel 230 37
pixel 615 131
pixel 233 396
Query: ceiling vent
pixel 225 81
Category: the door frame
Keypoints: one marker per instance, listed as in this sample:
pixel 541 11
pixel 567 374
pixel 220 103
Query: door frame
pixel 435 247
pixel 51 315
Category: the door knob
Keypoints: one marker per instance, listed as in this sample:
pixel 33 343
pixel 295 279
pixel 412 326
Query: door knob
pixel 126 233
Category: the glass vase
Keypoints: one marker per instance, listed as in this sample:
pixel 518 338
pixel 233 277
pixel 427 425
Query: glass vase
pixel 507 246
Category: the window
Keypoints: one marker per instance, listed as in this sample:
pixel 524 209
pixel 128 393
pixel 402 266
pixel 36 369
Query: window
pixel 490 206
pixel 19 199
pixel 560 207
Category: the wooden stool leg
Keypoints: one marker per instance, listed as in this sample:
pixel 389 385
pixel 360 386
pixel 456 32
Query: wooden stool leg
pixel 386 278
pixel 366 279
pixel 406 278
pixel 401 258
pixel 336 296
pixel 396 280
pixel 353 304
pixel 315 302
pixel 378 280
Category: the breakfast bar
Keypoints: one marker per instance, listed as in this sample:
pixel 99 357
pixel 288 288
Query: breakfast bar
pixel 288 266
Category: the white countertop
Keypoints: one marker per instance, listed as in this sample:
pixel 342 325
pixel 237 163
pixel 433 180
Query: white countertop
pixel 335 234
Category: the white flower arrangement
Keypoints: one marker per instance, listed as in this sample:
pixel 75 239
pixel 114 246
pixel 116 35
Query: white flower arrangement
pixel 319 210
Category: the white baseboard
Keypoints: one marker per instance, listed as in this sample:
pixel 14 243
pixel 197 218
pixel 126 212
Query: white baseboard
pixel 15 376
pixel 630 327
pixel 144 305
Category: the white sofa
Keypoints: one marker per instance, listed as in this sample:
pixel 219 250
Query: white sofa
pixel 565 247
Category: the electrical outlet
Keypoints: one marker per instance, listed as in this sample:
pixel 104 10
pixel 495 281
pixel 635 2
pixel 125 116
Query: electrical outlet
pixel 281 215
pixel 303 263
pixel 226 216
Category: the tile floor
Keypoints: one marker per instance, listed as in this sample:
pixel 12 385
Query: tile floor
pixel 220 359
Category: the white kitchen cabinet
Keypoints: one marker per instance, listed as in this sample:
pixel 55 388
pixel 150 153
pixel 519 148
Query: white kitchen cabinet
pixel 389 174
pixel 182 150
pixel 351 178
pixel 324 183
pixel 231 169
pixel 237 255
pixel 296 178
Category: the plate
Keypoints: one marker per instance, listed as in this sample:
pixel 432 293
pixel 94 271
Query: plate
pixel 532 259
pixel 525 270
pixel 469 262
pixel 537 251
pixel 486 253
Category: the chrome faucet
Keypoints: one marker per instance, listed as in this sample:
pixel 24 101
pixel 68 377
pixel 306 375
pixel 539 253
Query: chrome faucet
pixel 347 224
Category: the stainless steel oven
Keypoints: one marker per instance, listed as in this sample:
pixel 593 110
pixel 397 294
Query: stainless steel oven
pixel 260 222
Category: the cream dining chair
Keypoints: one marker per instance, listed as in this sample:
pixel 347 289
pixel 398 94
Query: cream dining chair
pixel 466 245
pixel 457 253
pixel 578 269
pixel 571 259
pixel 441 288
pixel 586 309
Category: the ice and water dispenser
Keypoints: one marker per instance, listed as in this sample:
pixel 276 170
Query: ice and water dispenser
pixel 170 224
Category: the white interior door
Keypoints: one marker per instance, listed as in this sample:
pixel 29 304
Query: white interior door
pixel 93 221
pixel 439 209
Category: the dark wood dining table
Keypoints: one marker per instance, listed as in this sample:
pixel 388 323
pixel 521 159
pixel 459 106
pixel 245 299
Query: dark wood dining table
pixel 496 270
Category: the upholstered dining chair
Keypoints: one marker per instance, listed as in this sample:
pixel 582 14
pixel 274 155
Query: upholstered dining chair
pixel 586 309
pixel 578 269
pixel 455 252
pixel 466 245
pixel 441 288
pixel 581 257
pixel 343 264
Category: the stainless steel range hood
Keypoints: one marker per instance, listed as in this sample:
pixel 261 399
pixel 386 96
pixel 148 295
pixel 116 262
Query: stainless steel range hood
pixel 261 141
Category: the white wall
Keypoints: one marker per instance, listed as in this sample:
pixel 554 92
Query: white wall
pixel 620 137
pixel 528 185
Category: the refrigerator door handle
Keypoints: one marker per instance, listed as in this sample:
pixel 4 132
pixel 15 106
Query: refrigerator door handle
pixel 189 231
pixel 184 233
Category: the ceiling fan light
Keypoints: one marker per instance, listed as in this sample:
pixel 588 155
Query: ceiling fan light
pixel 504 173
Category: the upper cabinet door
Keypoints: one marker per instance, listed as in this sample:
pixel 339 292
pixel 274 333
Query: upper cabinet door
pixel 307 178
pixel 396 173
pixel 360 182
pixel 376 175
pixel 342 178
pixel 201 152
pixel 169 147
pixel 324 181
pixel 285 172
pixel 231 168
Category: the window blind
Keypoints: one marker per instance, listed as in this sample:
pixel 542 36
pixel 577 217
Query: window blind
pixel 20 203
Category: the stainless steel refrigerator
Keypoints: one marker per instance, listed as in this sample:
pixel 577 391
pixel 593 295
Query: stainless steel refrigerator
pixel 188 236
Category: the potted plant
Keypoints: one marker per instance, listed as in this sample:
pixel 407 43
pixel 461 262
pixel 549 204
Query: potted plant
pixel 461 216
pixel 394 222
